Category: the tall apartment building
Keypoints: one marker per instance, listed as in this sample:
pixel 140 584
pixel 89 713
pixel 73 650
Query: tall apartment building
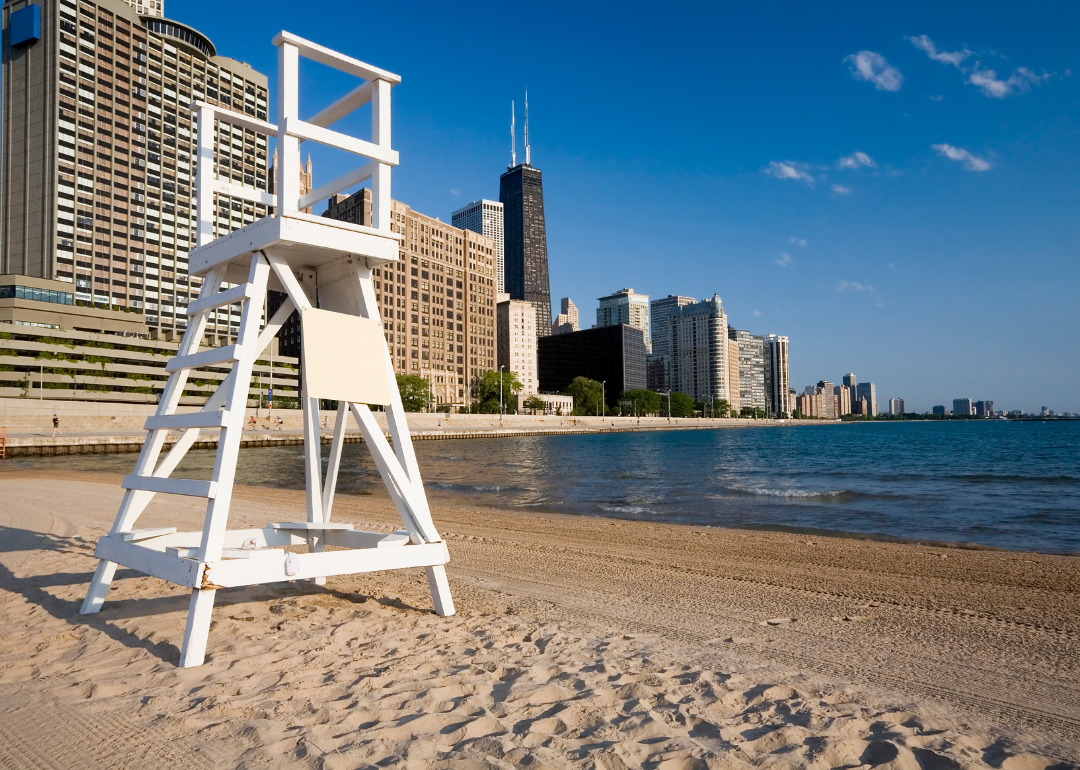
pixel 437 301
pixel 625 307
pixel 896 406
pixel 776 359
pixel 699 350
pixel 752 375
pixel 660 335
pixel 517 341
pixel 818 401
pixel 851 384
pixel 567 319
pixel 521 191
pixel 486 217
pixel 982 408
pixel 867 391
pixel 843 400
pixel 963 406
pixel 98 159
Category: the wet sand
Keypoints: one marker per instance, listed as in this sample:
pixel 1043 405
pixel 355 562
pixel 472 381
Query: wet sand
pixel 579 642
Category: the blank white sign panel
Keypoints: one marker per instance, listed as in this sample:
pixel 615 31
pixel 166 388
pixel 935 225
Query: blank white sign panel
pixel 344 357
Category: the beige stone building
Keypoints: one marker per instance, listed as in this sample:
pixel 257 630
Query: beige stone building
pixel 97 160
pixel 437 301
pixel 626 307
pixel 516 333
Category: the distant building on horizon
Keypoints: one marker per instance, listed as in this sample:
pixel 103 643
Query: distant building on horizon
pixel 963 406
pixel 939 410
pixel 896 406
pixel 567 319
pixel 659 361
pixel 984 408
pixel 843 400
pixel 698 341
pixel 486 217
pixel 867 391
pixel 625 307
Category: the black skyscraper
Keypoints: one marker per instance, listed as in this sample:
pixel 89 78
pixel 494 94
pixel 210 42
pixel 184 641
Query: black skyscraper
pixel 521 191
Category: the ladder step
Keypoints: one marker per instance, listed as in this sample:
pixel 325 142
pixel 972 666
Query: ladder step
pixel 229 553
pixel 204 358
pixel 227 297
pixel 189 487
pixel 191 420
pixel 144 534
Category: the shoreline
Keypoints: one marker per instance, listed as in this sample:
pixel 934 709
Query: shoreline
pixel 579 640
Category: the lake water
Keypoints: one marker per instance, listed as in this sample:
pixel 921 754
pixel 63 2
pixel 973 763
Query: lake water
pixel 1002 484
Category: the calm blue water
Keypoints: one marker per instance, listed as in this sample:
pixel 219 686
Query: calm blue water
pixel 1008 485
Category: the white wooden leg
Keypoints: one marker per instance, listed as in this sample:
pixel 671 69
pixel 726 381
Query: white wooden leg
pixel 99 587
pixel 440 590
pixel 197 630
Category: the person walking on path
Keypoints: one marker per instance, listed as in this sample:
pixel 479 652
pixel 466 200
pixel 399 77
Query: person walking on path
pixel 56 426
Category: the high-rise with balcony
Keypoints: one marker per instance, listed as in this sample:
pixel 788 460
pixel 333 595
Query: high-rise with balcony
pixel 752 370
pixel 699 350
pixel 660 334
pixel 867 391
pixel 97 157
pixel 517 342
pixel 776 359
pixel 486 217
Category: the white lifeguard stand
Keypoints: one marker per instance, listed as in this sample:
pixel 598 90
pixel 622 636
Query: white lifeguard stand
pixel 325 268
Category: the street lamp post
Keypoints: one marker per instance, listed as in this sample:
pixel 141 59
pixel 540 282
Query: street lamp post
pixel 603 395
pixel 501 393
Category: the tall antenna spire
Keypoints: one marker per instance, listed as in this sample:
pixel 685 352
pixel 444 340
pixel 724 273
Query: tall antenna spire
pixel 513 138
pixel 527 159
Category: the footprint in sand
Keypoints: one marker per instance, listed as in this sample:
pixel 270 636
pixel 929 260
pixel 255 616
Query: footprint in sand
pixel 777 621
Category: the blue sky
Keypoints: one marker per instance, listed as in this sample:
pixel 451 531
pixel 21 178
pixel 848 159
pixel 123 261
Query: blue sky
pixel 894 188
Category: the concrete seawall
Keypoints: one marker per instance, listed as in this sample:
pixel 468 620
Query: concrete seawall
pixel 117 428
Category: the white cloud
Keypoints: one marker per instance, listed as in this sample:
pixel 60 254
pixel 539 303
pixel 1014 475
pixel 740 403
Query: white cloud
pixel 787 170
pixel 1019 82
pixel 454 192
pixel 986 80
pixel 954 58
pixel 873 68
pixel 839 189
pixel 936 98
pixel 891 265
pixel 853 286
pixel 971 162
pixel 798 241
pixel 856 160
pixel 757 312
pixel 785 259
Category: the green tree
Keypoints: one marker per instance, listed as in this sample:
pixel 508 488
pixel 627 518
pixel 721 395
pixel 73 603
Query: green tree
pixel 535 403
pixel 486 391
pixel 681 405
pixel 587 396
pixel 723 407
pixel 415 392
pixel 644 401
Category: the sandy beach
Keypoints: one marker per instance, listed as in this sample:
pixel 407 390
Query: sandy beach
pixel 579 642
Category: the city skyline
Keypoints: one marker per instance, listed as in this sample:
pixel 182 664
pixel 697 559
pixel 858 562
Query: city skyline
pixel 892 187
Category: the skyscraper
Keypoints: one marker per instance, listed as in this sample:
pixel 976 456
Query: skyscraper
pixel 660 335
pixel 625 307
pixel 97 154
pixel 521 191
pixel 896 406
pixel 485 217
pixel 516 334
pixel 963 406
pixel 866 391
pixel 776 357
pixel 751 369
pixel 698 349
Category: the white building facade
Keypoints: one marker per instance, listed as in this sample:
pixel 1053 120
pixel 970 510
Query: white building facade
pixel 516 341
pixel 485 217
pixel 699 342
pixel 776 356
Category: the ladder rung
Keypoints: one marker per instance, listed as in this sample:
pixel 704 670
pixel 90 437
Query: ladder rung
pixel 144 534
pixel 190 420
pixel 227 297
pixel 189 487
pixel 204 358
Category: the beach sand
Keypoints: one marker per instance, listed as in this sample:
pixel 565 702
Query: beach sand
pixel 579 643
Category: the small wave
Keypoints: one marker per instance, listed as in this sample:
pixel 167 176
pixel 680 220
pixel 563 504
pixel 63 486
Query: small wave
pixel 984 478
pixel 632 509
pixel 449 487
pixel 800 493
